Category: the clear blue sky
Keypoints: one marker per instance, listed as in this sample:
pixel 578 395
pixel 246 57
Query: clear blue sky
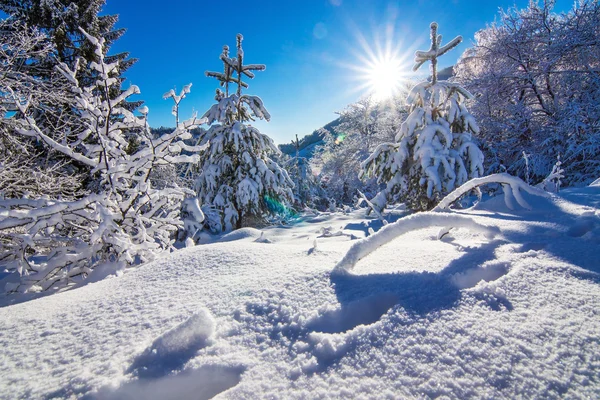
pixel 309 47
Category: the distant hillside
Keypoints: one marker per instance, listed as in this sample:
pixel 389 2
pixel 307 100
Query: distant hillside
pixel 445 74
pixel 309 142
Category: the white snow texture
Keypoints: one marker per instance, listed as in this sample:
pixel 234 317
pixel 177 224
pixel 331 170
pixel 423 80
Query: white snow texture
pixel 506 308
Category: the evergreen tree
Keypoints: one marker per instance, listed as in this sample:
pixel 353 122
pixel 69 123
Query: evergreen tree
pixel 60 21
pixel 434 151
pixel 238 180
pixel 306 188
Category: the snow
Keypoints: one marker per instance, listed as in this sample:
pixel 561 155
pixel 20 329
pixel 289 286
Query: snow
pixel 469 315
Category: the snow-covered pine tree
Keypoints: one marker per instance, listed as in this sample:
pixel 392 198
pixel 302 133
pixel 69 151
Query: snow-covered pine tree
pixel 306 188
pixel 434 151
pixel 59 22
pixel 238 180
pixel 25 168
pixel 126 220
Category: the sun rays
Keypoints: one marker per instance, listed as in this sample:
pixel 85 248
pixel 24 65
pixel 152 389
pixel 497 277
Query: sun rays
pixel 382 63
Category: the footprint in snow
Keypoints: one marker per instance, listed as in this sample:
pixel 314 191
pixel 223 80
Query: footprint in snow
pixel 168 354
pixel 365 311
pixel 471 277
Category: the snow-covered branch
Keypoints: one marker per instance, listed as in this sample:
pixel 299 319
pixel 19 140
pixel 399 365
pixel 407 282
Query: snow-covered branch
pixel 511 185
pixel 368 245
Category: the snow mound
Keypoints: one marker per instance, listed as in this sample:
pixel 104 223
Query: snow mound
pixel 174 348
pixel 487 273
pixel 241 234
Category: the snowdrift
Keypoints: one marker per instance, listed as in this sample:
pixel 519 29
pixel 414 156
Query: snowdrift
pixel 504 305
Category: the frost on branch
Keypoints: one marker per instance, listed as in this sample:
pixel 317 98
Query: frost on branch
pixel 434 151
pixel 239 184
pixel 127 220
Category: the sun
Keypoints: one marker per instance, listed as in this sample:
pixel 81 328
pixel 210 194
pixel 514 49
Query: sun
pixel 385 77
pixel 381 65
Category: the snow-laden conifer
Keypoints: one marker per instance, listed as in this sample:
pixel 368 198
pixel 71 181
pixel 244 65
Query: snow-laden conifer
pixel 126 220
pixel 434 151
pixel 238 181
pixel 306 188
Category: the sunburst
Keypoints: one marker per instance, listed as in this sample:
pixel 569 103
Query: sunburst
pixel 382 64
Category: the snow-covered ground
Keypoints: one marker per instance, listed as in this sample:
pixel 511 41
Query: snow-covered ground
pixel 507 307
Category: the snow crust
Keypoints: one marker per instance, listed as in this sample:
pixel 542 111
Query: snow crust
pixel 453 314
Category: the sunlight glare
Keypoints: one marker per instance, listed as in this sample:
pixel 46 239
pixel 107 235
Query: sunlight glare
pixel 382 62
pixel 385 78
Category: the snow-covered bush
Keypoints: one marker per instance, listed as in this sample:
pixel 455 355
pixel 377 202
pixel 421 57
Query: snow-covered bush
pixel 535 75
pixel 362 127
pixel 553 181
pixel 239 184
pixel 434 150
pixel 126 220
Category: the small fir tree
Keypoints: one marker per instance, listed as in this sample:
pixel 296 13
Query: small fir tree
pixel 238 181
pixel 306 188
pixel 434 151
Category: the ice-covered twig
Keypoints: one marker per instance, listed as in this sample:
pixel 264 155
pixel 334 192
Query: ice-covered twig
pixel 372 207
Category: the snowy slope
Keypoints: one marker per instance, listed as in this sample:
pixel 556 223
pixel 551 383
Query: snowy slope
pixel 513 314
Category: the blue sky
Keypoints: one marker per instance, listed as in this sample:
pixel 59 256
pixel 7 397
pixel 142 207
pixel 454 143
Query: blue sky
pixel 313 49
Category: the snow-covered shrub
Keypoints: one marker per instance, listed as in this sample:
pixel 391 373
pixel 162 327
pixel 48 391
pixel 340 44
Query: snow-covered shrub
pixel 363 126
pixel 126 220
pixel 535 75
pixel 434 150
pixel 238 181
pixel 553 181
